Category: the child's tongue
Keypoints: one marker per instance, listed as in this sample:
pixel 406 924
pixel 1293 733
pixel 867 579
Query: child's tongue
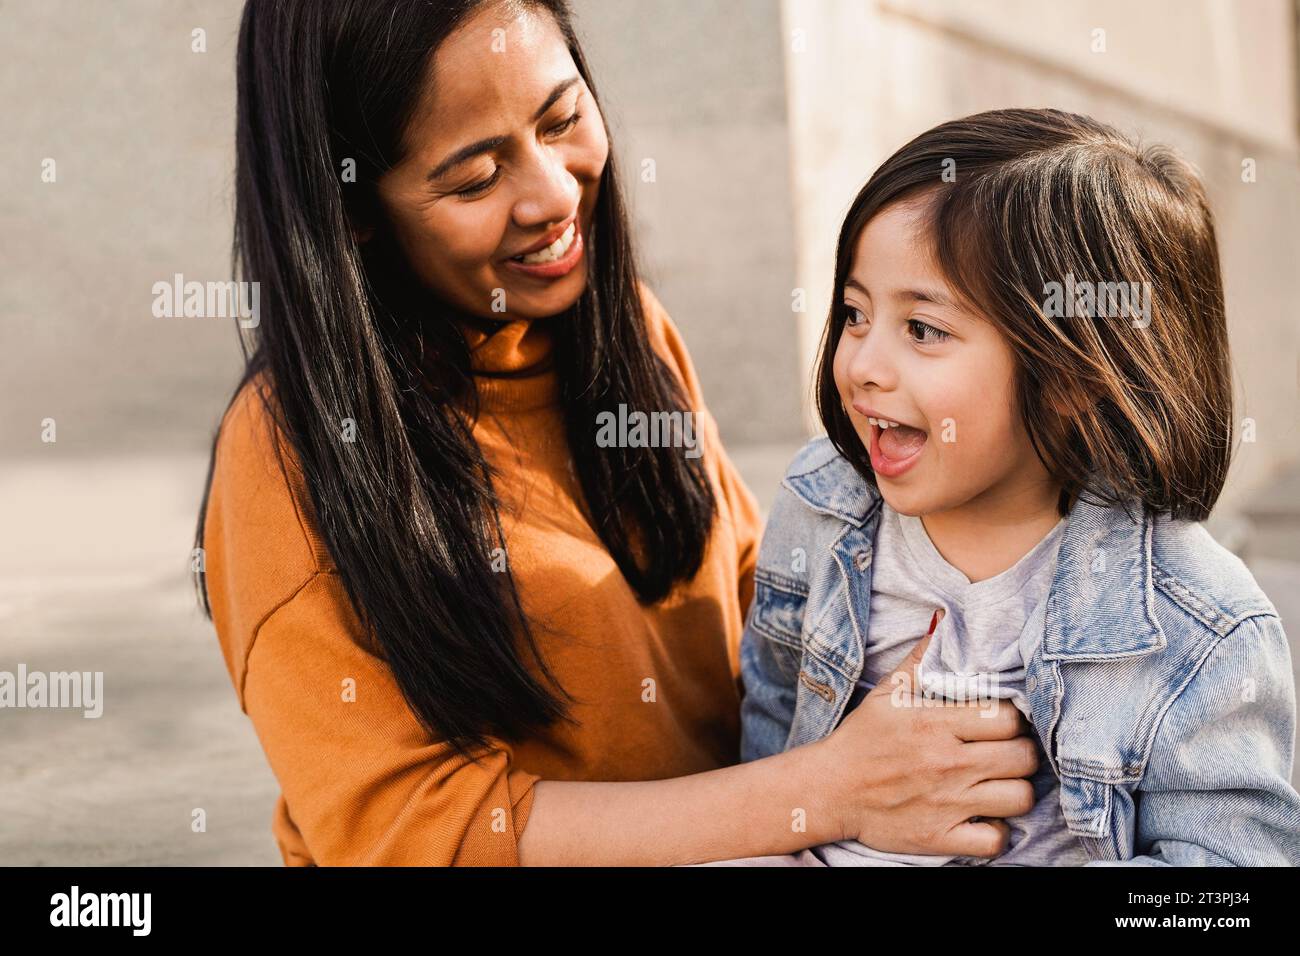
pixel 900 441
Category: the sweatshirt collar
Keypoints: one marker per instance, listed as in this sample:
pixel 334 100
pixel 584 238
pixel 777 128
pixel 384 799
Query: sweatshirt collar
pixel 512 362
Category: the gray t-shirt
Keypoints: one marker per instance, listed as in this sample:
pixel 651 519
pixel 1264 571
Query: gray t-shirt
pixel 988 631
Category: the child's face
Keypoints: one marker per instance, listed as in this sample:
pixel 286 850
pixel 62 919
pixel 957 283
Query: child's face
pixel 911 353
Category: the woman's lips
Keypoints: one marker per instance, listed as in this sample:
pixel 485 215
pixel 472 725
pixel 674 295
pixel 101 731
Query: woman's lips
pixel 560 267
pixel 892 467
pixel 550 239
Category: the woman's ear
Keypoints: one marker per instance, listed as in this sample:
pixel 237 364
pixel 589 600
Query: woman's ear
pixel 363 234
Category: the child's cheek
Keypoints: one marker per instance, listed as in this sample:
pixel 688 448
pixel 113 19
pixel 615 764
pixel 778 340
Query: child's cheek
pixel 844 387
pixel 950 414
pixel 840 370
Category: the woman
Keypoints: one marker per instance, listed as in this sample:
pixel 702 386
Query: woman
pixel 466 631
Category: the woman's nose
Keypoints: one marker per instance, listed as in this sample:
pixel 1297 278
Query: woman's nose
pixel 549 193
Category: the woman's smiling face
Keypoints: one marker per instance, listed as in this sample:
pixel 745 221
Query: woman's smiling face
pixel 505 150
pixel 912 352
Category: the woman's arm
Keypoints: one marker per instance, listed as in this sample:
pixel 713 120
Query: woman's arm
pixel 744 810
pixel 365 784
pixel 904 779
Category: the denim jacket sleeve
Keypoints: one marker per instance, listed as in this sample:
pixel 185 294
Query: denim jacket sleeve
pixel 771 645
pixel 1217 788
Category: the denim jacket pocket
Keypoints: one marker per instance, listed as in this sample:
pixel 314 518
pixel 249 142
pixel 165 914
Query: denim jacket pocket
pixel 1086 805
pixel 778 608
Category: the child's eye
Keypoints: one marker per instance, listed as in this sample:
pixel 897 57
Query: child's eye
pixel 851 312
pixel 480 187
pixel 928 334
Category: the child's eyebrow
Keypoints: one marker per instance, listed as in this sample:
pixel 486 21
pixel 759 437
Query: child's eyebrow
pixel 933 296
pixel 910 295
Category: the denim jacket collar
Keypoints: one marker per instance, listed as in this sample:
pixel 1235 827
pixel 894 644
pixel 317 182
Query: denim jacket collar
pixel 1106 556
pixel 1103 574
pixel 833 487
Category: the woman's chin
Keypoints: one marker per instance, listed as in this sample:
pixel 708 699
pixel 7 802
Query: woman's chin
pixel 527 299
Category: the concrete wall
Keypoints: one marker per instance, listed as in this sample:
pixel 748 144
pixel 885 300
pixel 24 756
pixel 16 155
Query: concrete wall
pixel 700 93
pixel 141 130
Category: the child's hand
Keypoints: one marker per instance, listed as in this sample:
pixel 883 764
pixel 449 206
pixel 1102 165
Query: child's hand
pixel 915 773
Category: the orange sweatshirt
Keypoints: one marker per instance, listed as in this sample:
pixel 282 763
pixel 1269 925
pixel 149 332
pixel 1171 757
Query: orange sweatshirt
pixel 362 781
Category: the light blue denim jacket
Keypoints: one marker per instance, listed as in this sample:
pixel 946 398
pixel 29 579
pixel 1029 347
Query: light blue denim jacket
pixel 1161 690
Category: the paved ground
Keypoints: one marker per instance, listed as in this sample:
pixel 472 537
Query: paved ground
pixel 98 582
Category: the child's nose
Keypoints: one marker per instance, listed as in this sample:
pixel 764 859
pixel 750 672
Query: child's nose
pixel 872 364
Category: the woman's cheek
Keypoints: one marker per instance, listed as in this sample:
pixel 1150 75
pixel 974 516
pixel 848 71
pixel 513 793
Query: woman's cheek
pixel 468 238
pixel 594 148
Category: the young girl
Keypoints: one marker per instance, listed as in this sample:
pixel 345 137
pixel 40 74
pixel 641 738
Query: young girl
pixel 1026 390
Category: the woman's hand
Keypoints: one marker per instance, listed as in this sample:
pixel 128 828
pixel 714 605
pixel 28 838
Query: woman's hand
pixel 910 774
pixel 898 778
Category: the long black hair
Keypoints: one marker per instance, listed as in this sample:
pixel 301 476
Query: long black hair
pixel 407 510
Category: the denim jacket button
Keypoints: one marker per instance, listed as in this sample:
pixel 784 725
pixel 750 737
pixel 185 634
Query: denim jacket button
pixel 863 559
pixel 1031 683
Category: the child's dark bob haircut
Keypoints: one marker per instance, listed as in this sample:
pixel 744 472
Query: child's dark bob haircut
pixel 1023 202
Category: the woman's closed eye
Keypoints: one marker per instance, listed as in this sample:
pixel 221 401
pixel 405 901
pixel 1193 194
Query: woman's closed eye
pixel 568 124
pixel 480 187
pixel 483 185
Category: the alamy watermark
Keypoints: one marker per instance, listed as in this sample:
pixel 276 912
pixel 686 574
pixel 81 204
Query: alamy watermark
pixel 55 690
pixel 947 689
pixel 207 300
pixel 636 429
pixel 75 908
pixel 1098 300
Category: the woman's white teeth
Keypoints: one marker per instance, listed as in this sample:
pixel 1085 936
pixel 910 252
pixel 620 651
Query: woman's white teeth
pixel 552 252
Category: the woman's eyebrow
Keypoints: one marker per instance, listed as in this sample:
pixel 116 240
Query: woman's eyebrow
pixel 554 95
pixel 464 153
pixel 492 142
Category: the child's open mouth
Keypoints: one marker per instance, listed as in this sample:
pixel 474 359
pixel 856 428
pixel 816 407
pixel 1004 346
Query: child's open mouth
pixel 895 447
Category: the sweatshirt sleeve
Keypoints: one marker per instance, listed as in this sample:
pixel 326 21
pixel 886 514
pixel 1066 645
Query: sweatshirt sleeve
pixel 364 781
